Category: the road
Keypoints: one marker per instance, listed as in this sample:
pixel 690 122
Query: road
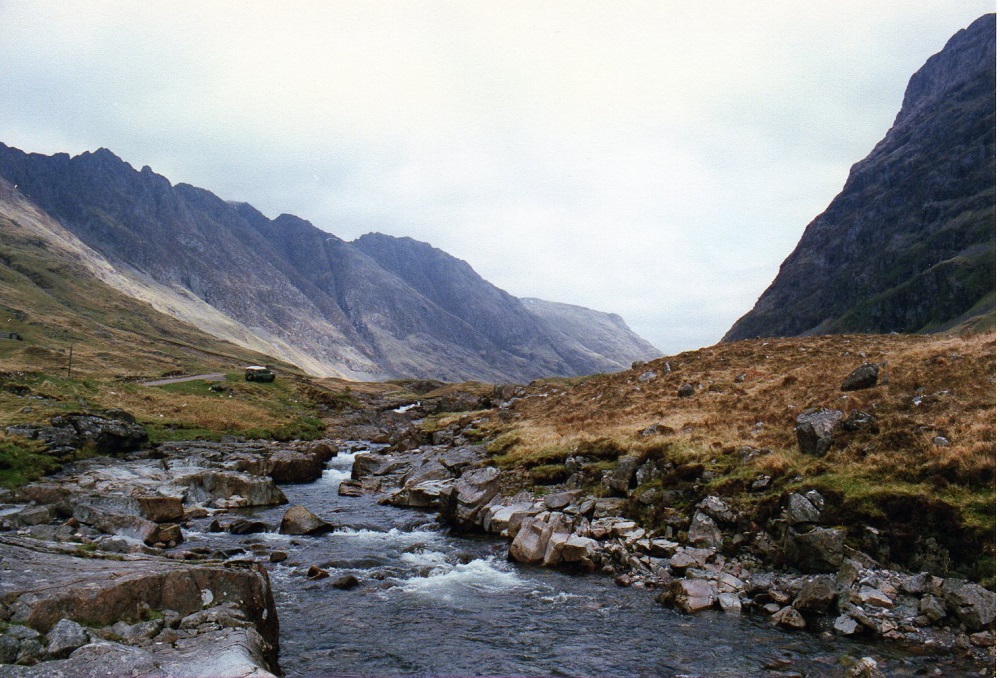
pixel 216 376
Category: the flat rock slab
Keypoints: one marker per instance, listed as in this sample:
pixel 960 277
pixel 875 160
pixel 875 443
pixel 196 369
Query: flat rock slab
pixel 42 583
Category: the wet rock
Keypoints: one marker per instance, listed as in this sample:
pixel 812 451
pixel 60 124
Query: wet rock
pixel 278 557
pixel 292 466
pixel 350 488
pixel 346 582
pixel 974 605
pixel 299 520
pixel 215 486
pixel 161 509
pixel 692 595
pixel 862 377
pixel 242 526
pixel 814 430
pixel 469 495
pixel 790 618
pixel 65 637
pixel 866 667
pixel 315 572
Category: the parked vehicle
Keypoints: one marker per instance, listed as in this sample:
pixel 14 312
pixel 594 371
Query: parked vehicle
pixel 259 373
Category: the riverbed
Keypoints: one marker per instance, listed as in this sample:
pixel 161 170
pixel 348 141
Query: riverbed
pixel 430 603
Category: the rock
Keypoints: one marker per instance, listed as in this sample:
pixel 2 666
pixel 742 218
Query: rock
pixel 874 597
pixel 801 510
pixel 814 430
pixel 315 572
pixel 974 605
pixel 717 509
pixel 817 595
pixel 916 584
pixel 350 488
pixel 933 608
pixel 760 483
pixel 862 377
pixel 213 485
pixel 129 526
pixel 704 532
pixel 820 549
pixel 692 595
pixel 558 500
pixel 866 667
pixel 299 520
pixel 346 582
pixel 469 495
pixel 790 618
pixel 499 517
pixel 846 625
pixel 983 639
pixel 106 436
pixel 10 647
pixel 65 637
pixel 161 509
pixel 366 464
pixel 243 526
pixel 859 420
pixel 292 466
pixel 686 391
pixel 622 479
pixel 278 557
pixel 730 603
pixel 531 543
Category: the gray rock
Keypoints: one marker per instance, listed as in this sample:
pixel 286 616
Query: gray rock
pixel 469 496
pixel 801 510
pixel 814 430
pixel 622 479
pixel 859 420
pixel 65 637
pixel 866 667
pixel 10 647
pixel 717 509
pixel 974 605
pixel 862 377
pixel 686 391
pixel 730 603
pixel 846 625
pixel 933 608
pixel 818 550
pixel 704 532
pixel 874 597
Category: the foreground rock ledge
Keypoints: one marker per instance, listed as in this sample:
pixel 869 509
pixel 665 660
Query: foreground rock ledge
pixel 140 614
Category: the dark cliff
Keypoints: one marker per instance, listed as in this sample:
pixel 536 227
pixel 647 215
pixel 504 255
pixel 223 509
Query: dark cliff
pixel 909 245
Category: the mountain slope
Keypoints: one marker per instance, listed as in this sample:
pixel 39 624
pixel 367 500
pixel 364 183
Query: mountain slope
pixel 909 245
pixel 378 308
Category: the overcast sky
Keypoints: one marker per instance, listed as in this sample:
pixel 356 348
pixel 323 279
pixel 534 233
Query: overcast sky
pixel 654 159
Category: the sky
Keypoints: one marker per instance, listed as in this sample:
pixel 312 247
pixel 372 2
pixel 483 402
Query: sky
pixel 655 159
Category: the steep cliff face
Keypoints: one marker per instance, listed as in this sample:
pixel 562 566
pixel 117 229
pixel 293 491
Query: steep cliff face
pixel 909 245
pixel 377 308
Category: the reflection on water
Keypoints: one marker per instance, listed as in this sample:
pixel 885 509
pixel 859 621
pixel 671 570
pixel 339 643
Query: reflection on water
pixel 432 604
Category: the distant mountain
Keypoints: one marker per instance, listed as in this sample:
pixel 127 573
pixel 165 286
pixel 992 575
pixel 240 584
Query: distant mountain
pixel 380 307
pixel 909 245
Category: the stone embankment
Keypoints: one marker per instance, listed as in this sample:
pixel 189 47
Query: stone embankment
pixel 799 572
pixel 88 585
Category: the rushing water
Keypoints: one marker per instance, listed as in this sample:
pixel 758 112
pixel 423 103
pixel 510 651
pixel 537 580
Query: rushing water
pixel 433 604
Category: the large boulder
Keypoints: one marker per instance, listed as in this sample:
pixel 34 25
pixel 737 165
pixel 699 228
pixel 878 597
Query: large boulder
pixel 814 430
pixel 469 496
pixel 820 549
pixel 293 466
pixel 300 520
pixel 863 377
pixel 704 532
pixel 975 606
pixel 692 595
pixel 622 479
pixel 222 486
pixel 531 543
pixel 817 595
pixel 106 435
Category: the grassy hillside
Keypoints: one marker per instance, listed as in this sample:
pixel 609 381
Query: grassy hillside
pixel 927 468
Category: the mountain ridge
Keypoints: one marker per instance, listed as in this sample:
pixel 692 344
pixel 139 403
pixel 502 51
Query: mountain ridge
pixel 292 289
pixel 909 243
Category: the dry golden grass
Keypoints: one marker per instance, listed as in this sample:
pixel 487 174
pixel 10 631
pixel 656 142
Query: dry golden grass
pixel 739 424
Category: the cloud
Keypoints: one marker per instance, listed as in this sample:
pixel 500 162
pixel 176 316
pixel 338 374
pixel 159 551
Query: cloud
pixel 655 159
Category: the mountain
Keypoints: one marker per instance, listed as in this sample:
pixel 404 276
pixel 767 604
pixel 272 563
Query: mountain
pixel 909 245
pixel 380 307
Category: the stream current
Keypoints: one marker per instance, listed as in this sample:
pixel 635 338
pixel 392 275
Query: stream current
pixel 433 604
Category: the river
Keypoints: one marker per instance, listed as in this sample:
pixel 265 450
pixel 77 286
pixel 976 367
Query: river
pixel 439 605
